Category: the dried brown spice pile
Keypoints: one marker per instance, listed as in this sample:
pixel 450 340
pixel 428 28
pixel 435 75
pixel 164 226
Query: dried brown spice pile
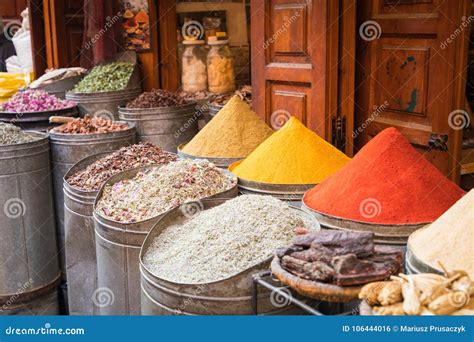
pixel 244 92
pixel 92 177
pixel 157 98
pixel 90 125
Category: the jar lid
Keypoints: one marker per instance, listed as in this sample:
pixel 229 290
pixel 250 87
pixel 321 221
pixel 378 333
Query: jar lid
pixel 193 42
pixel 218 42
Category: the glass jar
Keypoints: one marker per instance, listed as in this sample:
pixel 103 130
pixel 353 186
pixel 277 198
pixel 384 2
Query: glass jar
pixel 194 73
pixel 220 68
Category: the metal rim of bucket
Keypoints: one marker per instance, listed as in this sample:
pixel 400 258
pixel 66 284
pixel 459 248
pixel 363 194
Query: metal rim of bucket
pixel 129 174
pixel 214 109
pixel 220 162
pixel 79 166
pixel 416 265
pixel 32 294
pixel 384 233
pixel 43 140
pixel 21 117
pixel 185 109
pixel 104 96
pixel 152 234
pixel 69 138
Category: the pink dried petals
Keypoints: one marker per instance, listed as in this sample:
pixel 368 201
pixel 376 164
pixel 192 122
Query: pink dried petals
pixel 34 101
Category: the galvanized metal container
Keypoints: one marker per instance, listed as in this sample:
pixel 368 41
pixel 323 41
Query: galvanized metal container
pixel 36 121
pixel 231 296
pixel 167 127
pixel 81 261
pixel 414 265
pixel 385 234
pixel 68 149
pixel 103 102
pixel 118 247
pixel 42 303
pixel 60 87
pixel 28 249
pixel 222 163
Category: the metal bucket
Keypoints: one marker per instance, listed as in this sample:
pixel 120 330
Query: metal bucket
pixel 60 87
pixel 81 261
pixel 385 234
pixel 43 304
pixel 222 163
pixel 36 121
pixel 28 250
pixel 231 296
pixel 118 247
pixel 292 193
pixel 167 127
pixel 103 102
pixel 414 265
pixel 68 149
pixel 214 109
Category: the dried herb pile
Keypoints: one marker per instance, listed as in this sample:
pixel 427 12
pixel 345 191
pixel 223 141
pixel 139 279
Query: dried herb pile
pixel 90 125
pixel 109 77
pixel 156 191
pixel 157 98
pixel 10 135
pixel 93 176
pixel 223 241
pixel 34 101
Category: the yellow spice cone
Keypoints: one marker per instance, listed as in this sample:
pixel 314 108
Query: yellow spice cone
pixel 233 133
pixel 292 155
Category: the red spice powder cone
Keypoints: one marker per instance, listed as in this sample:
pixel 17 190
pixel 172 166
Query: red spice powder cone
pixel 387 182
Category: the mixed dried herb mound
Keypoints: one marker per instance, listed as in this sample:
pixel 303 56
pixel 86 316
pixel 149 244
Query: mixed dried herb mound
pixel 93 176
pixel 11 135
pixel 108 77
pixel 223 241
pixel 157 98
pixel 337 257
pixel 156 191
pixel 90 125
pixel 34 101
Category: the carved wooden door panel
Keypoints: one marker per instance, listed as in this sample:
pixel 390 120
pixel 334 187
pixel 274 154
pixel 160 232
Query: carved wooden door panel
pixel 410 74
pixel 293 47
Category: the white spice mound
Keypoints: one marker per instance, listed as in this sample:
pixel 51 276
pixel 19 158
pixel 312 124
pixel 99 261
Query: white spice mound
pixel 223 241
pixel 450 239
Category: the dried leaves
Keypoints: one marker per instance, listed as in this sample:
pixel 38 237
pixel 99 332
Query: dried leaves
pixel 157 98
pixel 10 134
pixel 90 125
pixel 129 157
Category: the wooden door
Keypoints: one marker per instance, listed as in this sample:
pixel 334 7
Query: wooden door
pixel 410 74
pixel 295 62
pixel 64 31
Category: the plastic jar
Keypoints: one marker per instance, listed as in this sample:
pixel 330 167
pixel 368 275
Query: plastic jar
pixel 194 73
pixel 220 68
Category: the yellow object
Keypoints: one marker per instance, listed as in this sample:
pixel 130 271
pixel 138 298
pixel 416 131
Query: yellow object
pixel 292 155
pixel 10 83
pixel 233 133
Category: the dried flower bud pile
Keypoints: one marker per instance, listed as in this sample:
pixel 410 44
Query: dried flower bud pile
pixel 419 294
pixel 108 77
pixel 223 241
pixel 90 125
pixel 10 135
pixel 34 101
pixel 157 98
pixel 153 192
pixel 93 176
